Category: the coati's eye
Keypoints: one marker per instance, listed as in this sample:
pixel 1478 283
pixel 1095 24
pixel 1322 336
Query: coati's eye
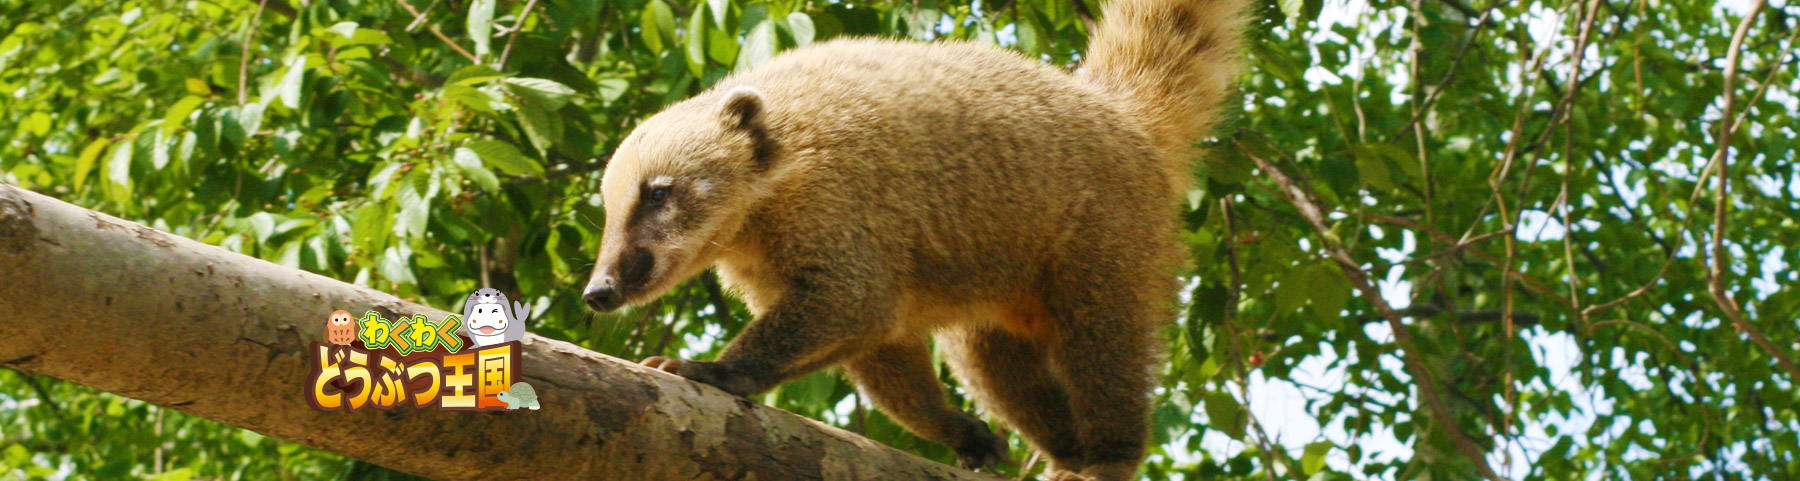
pixel 657 195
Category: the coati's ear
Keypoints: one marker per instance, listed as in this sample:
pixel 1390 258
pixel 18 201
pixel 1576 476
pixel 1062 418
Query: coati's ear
pixel 744 110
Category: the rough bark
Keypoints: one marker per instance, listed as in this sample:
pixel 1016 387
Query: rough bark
pixel 121 307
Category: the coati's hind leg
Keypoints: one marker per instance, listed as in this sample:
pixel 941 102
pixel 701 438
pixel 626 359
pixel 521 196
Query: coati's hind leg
pixel 1105 349
pixel 899 379
pixel 1011 378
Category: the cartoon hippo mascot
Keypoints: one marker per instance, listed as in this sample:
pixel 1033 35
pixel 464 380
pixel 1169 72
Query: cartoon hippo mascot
pixel 489 320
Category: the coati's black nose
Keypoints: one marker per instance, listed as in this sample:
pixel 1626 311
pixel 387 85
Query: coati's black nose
pixel 603 295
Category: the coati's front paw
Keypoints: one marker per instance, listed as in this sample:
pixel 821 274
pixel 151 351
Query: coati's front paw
pixel 708 373
pixel 981 449
pixel 1061 475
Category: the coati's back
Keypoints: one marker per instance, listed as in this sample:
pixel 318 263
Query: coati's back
pixel 958 151
pixel 953 152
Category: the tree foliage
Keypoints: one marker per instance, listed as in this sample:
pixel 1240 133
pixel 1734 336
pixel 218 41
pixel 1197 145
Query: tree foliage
pixel 1580 213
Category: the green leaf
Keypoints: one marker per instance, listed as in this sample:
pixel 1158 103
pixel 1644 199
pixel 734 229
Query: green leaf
pixel 479 100
pixel 85 163
pixel 249 119
pixel 368 36
pixel 415 203
pixel 183 474
pixel 343 29
pixel 759 46
pixel 373 226
pixel 542 93
pixel 159 151
pixel 291 83
pixel 1276 62
pixel 656 24
pixel 198 87
pixel 1314 459
pixel 470 163
pixel 506 157
pixel 17 455
pixel 345 34
pixel 38 123
pixel 719 9
pixel 394 265
pixel 177 116
pixel 1294 290
pixel 1210 304
pixel 473 75
pixel 801 26
pixel 1330 292
pixel 543 127
pixel 722 46
pixel 612 88
pixel 262 225
pixel 1372 168
pixel 1398 157
pixel 481 25
pixel 1030 35
pixel 1291 8
pixel 696 42
pixel 1225 414
pixel 118 172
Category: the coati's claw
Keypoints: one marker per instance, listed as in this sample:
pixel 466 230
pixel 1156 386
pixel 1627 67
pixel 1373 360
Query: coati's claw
pixel 708 373
pixel 669 364
pixel 981 449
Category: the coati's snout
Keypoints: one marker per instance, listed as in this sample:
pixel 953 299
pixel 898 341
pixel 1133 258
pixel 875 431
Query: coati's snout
pixel 676 192
pixel 607 290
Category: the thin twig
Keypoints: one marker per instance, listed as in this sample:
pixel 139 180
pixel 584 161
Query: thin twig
pixel 518 27
pixel 244 64
pixel 1262 437
pixel 43 394
pixel 1631 323
pixel 440 33
pixel 420 17
pixel 1025 471
pixel 1530 72
pixel 1530 282
pixel 1455 64
pixel 484 266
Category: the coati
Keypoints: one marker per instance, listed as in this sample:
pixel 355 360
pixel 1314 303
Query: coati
pixel 867 196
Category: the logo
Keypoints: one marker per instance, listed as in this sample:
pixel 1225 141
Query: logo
pixel 375 362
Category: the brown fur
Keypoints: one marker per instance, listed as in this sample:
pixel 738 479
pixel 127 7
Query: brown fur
pixel 864 195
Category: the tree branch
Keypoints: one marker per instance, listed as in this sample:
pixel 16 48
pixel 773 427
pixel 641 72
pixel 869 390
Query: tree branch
pixel 1429 390
pixel 113 304
pixel 1715 277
